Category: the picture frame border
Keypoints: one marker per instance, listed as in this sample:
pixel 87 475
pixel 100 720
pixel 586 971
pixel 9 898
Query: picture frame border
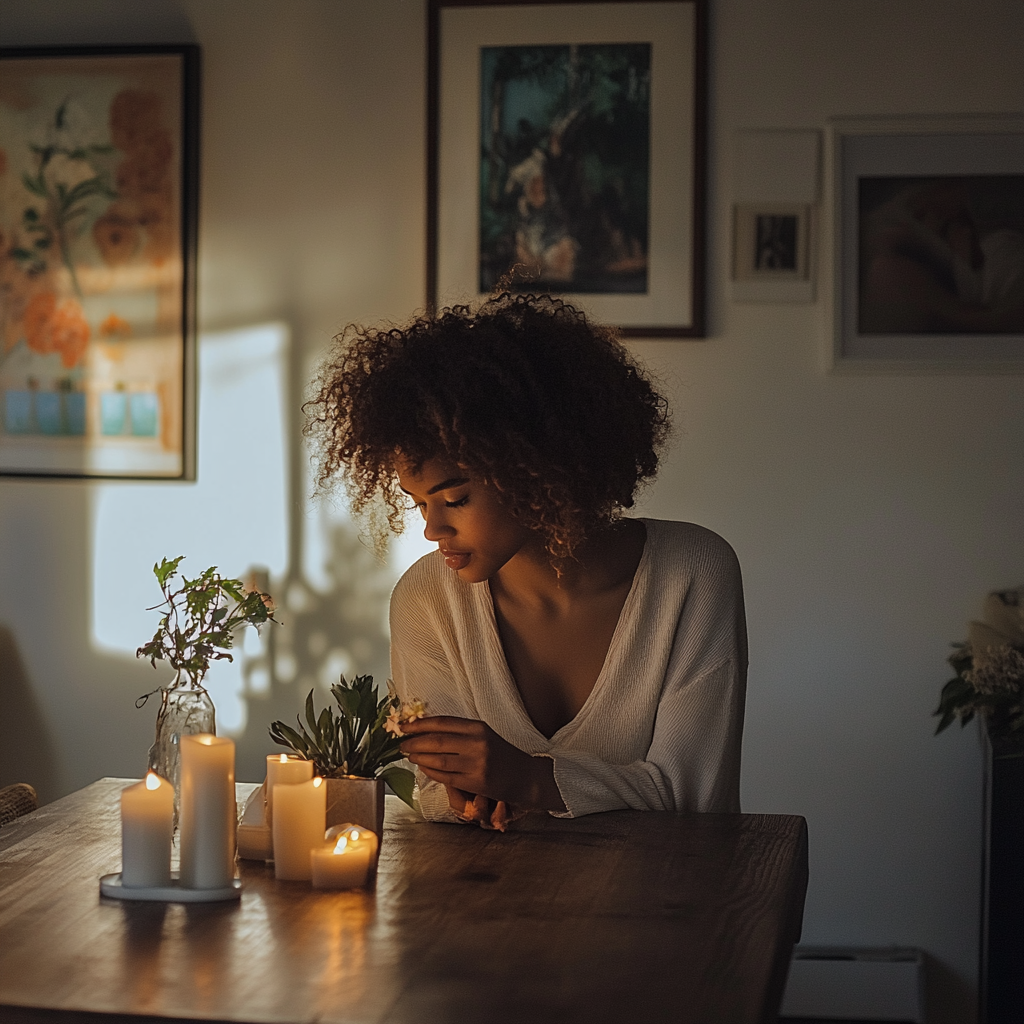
pixel 697 202
pixel 191 83
pixel 840 359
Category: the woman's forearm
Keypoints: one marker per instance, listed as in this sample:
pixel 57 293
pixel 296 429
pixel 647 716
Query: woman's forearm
pixel 542 790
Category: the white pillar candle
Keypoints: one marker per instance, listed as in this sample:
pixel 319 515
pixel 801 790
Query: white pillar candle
pixel 208 812
pixel 300 818
pixel 147 825
pixel 285 769
pixel 344 861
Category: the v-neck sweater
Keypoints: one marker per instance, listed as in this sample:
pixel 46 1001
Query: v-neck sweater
pixel 661 729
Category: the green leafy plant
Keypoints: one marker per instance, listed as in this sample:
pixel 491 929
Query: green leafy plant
pixel 362 740
pixel 200 619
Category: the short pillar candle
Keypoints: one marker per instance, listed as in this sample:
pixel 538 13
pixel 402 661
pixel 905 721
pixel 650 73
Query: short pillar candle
pixel 208 811
pixel 285 769
pixel 147 826
pixel 346 860
pixel 300 819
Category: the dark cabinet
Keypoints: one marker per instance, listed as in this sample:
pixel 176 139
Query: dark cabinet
pixel 1002 925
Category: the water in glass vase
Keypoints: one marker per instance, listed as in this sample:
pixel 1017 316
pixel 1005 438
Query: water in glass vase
pixel 184 710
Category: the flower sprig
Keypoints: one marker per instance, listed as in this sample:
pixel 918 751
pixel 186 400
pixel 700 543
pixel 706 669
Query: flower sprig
pixel 404 712
pixel 66 181
pixel 989 668
pixel 200 619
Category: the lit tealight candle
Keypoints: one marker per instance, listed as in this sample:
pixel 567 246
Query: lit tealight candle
pixel 208 811
pixel 345 861
pixel 147 823
pixel 285 769
pixel 300 817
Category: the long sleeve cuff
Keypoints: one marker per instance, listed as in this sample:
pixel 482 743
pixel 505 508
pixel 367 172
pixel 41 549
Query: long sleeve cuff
pixel 433 800
pixel 588 785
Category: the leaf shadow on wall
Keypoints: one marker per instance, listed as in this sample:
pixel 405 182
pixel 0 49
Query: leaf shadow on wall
pixel 323 633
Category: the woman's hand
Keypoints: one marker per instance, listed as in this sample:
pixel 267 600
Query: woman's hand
pixel 467 755
pixel 487 813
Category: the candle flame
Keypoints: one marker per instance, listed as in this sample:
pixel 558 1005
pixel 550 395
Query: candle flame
pixel 341 844
pixel 318 782
pixel 152 781
pixel 284 758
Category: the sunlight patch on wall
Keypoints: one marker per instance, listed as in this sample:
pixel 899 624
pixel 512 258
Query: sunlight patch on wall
pixel 337 608
pixel 235 515
pixel 410 545
pixel 324 514
pixel 402 551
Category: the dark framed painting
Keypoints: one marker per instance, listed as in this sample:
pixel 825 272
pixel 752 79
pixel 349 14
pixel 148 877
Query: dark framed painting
pixel 566 155
pixel 929 245
pixel 98 202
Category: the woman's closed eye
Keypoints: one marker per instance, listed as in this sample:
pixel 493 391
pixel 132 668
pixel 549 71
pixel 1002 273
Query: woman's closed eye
pixel 421 506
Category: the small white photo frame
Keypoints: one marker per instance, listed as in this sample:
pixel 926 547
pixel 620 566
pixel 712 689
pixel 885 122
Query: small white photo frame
pixel 771 252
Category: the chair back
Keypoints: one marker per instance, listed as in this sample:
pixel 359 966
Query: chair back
pixel 15 801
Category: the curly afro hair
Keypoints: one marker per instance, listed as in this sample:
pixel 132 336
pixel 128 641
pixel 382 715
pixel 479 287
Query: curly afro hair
pixel 522 391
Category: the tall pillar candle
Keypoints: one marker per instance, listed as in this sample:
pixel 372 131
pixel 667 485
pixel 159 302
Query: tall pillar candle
pixel 208 813
pixel 300 820
pixel 285 769
pixel 147 825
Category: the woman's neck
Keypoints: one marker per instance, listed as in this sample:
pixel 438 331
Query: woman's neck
pixel 603 562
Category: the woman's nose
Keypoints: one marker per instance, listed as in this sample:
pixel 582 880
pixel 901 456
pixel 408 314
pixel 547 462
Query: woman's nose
pixel 436 528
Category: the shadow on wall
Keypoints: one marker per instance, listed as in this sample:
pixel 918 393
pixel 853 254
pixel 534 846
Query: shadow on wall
pixel 249 507
pixel 324 633
pixel 26 753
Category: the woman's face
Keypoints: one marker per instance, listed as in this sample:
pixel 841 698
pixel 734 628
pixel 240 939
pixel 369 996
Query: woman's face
pixel 465 518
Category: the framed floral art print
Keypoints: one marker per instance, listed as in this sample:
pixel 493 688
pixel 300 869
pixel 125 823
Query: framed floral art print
pixel 566 154
pixel 98 181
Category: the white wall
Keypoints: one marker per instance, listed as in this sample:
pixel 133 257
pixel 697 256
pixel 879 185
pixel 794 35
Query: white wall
pixel 870 514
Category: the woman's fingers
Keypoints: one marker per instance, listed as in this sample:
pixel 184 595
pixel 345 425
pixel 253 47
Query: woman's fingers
pixel 468 754
pixel 500 816
pixel 451 775
pixel 454 736
pixel 462 803
pixel 448 763
pixel 442 724
pixel 431 743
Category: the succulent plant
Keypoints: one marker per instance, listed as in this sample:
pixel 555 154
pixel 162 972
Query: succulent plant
pixel 355 742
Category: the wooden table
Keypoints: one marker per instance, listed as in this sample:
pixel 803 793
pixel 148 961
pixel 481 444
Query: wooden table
pixel 630 917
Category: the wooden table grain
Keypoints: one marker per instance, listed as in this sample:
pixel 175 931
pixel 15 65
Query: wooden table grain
pixel 625 917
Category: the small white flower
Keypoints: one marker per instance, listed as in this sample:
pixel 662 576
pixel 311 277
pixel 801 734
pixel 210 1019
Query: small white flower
pixel 413 709
pixel 997 670
pixel 393 723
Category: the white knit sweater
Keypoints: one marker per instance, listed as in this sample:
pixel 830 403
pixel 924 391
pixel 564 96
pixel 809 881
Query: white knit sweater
pixel 661 729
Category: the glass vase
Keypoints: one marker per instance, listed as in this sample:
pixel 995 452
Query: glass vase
pixel 184 710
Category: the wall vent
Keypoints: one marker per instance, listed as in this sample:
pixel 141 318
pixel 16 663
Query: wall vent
pixel 855 983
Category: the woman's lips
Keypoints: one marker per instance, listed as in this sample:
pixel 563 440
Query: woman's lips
pixel 456 559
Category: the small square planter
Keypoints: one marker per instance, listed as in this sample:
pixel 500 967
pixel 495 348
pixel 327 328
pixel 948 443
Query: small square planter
pixel 356 801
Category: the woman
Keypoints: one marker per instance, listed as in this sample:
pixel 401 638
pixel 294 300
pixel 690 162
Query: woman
pixel 572 660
